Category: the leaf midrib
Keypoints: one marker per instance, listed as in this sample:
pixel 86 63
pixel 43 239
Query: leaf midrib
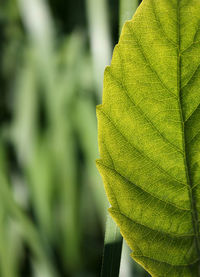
pixel 191 192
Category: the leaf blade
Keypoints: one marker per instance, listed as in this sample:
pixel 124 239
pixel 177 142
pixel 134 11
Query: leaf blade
pixel 149 159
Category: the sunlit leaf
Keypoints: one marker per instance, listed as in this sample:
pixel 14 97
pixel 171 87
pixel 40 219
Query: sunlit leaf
pixel 149 136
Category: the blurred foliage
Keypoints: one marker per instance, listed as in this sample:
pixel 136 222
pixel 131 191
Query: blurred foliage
pixel 52 202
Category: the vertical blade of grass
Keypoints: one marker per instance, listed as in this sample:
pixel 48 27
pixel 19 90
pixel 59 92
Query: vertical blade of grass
pixel 112 250
pixel 127 9
pixel 113 239
pixel 127 263
pixel 100 39
pixel 86 128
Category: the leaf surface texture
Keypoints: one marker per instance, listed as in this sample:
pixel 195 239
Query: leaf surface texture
pixel 149 136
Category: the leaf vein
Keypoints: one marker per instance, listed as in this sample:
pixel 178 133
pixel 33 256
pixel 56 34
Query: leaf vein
pixel 140 111
pixel 176 265
pixel 141 153
pixel 171 235
pixel 160 25
pixel 148 62
pixel 143 190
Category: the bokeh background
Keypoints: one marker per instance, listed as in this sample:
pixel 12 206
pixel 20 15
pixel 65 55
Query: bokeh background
pixel 52 201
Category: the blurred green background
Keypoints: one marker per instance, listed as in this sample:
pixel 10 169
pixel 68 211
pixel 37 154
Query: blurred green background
pixel 52 202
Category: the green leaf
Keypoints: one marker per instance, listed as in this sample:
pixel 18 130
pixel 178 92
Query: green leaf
pixel 149 136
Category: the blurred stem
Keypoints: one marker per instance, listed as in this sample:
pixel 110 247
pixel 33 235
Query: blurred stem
pixel 100 39
pixel 127 9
